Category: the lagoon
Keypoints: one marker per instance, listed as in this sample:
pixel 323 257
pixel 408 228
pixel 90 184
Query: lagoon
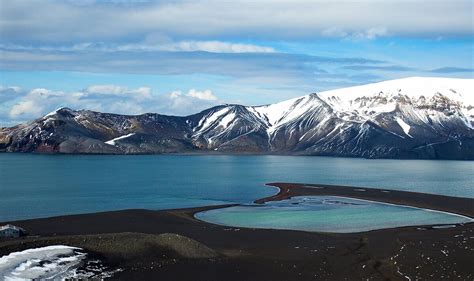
pixel 327 214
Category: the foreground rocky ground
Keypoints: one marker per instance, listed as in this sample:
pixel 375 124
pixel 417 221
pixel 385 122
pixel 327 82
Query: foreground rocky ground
pixel 172 245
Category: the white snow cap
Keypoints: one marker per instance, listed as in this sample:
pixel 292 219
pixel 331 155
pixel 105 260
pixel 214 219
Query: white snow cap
pixel 456 89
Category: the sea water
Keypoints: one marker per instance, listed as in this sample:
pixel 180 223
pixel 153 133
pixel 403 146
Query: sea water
pixel 33 185
pixel 327 214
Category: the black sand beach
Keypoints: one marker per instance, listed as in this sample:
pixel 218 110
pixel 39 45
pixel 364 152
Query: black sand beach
pixel 173 245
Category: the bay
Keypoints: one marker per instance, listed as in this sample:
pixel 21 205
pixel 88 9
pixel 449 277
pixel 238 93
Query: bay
pixel 37 185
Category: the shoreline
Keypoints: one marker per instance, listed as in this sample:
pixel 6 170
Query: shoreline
pixel 132 240
pixel 453 205
pixel 227 153
pixel 407 206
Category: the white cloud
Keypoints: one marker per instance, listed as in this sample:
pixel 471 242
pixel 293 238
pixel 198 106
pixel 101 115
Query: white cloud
pixel 218 47
pixel 374 32
pixel 192 46
pixel 203 95
pixel 105 89
pixel 9 93
pixel 185 104
pixel 11 88
pixel 145 46
pixel 141 93
pixel 204 19
pixel 32 104
pixel 275 65
pixel 368 34
pixel 25 107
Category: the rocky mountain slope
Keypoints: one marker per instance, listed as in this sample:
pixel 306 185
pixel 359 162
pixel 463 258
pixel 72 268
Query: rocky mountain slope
pixel 426 118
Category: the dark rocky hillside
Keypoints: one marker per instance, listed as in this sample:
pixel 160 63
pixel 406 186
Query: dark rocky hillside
pixel 419 118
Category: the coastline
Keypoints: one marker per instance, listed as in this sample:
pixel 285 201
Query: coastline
pixel 230 153
pixel 449 204
pixel 130 240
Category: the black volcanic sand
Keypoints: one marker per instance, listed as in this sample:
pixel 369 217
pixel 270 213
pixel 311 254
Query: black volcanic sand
pixel 457 205
pixel 172 245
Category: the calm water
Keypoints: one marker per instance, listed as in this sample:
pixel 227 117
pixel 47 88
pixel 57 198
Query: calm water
pixel 34 186
pixel 327 214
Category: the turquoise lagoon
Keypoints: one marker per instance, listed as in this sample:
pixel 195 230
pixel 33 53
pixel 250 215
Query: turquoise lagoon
pixel 327 214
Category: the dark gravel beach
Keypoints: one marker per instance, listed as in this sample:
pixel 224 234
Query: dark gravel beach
pixel 457 205
pixel 172 245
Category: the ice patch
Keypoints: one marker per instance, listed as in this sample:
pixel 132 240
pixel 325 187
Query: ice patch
pixel 313 186
pixel 112 141
pixel 405 127
pixel 51 263
pixel 443 226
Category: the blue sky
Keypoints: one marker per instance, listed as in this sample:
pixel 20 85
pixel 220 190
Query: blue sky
pixel 179 57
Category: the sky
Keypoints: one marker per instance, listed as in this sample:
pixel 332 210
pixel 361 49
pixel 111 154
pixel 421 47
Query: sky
pixel 180 57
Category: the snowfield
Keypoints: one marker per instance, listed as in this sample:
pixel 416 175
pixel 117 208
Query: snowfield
pixel 418 100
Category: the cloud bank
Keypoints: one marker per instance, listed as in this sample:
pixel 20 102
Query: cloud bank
pixel 129 21
pixel 252 52
pixel 20 105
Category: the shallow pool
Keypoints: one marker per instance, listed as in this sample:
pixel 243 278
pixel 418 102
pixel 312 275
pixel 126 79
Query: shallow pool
pixel 327 214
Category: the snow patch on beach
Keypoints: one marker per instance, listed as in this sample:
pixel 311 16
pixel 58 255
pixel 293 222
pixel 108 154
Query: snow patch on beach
pixel 57 262
pixel 52 262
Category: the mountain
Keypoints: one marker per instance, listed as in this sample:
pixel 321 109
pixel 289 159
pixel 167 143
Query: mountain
pixel 418 117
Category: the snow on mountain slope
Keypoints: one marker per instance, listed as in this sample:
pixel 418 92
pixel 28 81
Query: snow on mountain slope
pixel 410 108
pixel 428 96
pixel 225 124
pixel 456 89
pixel 229 125
pixel 285 112
pixel 112 141
pixel 405 118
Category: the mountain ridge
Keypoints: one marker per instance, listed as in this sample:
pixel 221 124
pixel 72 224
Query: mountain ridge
pixel 417 117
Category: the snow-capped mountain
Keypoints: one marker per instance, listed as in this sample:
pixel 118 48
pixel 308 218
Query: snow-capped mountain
pixel 405 118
